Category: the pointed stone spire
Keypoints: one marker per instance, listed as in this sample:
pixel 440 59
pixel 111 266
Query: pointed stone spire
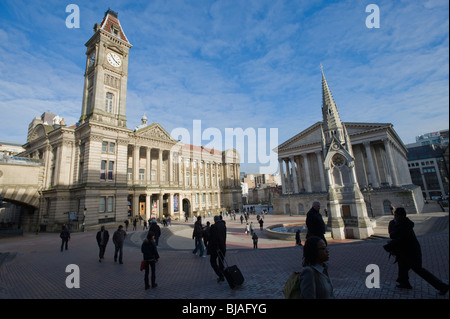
pixel 332 125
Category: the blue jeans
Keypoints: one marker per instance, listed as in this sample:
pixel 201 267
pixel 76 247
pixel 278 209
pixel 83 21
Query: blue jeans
pixel 198 246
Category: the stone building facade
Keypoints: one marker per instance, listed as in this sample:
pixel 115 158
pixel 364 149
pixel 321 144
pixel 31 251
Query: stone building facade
pixel 99 171
pixel 356 170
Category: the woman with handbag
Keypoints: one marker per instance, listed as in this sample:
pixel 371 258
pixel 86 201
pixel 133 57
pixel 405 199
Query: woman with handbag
pixel 151 257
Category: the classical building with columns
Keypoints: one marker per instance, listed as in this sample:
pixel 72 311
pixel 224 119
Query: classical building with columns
pixel 356 170
pixel 101 172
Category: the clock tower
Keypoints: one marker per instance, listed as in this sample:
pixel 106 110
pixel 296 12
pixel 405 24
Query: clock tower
pixel 105 78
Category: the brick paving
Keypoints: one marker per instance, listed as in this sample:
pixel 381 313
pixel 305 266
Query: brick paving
pixel 32 266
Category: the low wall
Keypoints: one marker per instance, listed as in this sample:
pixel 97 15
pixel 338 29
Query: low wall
pixel 285 236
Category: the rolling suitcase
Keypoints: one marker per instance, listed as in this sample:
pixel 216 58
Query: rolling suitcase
pixel 232 274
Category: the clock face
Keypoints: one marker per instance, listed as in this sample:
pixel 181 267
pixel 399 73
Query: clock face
pixel 338 160
pixel 114 59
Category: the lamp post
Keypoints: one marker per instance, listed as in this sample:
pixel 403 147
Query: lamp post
pixel 369 189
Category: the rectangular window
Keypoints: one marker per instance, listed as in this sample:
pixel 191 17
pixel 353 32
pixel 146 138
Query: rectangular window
pixel 141 174
pixel 130 174
pixel 104 147
pixel 103 170
pixel 111 170
pixel 112 147
pixel 102 204
pixel 196 198
pixel 110 203
pixel 188 179
pixel 109 102
pixel 153 175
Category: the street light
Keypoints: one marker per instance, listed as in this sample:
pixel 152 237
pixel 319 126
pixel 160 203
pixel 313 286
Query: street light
pixel 369 189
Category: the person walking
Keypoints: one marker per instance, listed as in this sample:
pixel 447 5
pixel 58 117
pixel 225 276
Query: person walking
pixel 406 248
pixel 118 239
pixel 65 237
pixel 255 241
pixel 154 227
pixel 102 240
pixel 197 235
pixel 206 234
pixel 251 228
pixel 134 223
pixel 151 257
pixel 261 223
pixel 217 246
pixel 314 222
pixel 314 280
pixel 247 229
pixel 298 240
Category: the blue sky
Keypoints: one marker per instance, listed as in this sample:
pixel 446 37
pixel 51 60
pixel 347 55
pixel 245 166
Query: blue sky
pixel 235 63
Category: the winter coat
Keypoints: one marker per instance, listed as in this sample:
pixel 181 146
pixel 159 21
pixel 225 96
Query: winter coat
pixel 404 243
pixel 149 250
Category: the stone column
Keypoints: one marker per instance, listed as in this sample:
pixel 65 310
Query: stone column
pixel 136 164
pixel 308 178
pixel 170 205
pixel 148 173
pixel 373 174
pixel 148 206
pixel 294 174
pixel 283 180
pixel 392 169
pixel 160 166
pixel 323 185
pixel 170 168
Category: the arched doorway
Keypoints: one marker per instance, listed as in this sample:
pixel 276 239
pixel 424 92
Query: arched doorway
pixel 186 208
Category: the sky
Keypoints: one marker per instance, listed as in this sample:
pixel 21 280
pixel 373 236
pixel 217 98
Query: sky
pixel 230 65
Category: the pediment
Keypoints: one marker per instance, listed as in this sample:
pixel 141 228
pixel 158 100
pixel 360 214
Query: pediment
pixel 313 134
pixel 155 131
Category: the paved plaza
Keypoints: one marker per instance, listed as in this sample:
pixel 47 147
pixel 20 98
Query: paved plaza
pixel 33 267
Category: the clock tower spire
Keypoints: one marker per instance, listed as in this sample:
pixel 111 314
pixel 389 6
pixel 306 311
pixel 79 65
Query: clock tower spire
pixel 105 78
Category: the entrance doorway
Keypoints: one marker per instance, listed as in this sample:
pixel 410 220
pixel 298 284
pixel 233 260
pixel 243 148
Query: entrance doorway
pixel 186 208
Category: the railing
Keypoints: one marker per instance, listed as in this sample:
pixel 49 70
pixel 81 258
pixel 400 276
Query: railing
pixel 6 159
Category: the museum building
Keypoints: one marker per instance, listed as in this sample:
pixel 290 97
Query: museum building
pixel 101 172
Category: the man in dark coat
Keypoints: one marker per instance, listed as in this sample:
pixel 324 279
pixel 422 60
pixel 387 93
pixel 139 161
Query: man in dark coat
pixel 197 235
pixel 314 222
pixel 118 240
pixel 102 240
pixel 65 236
pixel 217 246
pixel 154 227
pixel 406 248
